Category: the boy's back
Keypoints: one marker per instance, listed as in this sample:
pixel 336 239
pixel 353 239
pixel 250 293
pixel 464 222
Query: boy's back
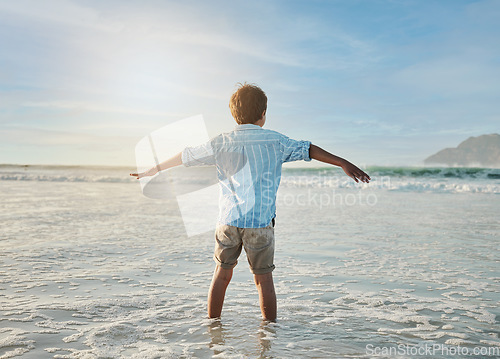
pixel 248 162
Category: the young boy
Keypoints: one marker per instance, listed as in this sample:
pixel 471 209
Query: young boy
pixel 248 162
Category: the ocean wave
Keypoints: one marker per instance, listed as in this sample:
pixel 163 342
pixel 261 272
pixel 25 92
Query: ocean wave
pixel 62 178
pixel 446 180
pixel 441 180
pixel 412 172
pixel 438 172
pixel 395 184
pixel 442 187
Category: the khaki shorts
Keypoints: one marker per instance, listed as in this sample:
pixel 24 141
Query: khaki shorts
pixel 258 244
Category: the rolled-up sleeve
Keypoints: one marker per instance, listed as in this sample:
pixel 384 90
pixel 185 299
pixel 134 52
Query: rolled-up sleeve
pixel 202 155
pixel 293 150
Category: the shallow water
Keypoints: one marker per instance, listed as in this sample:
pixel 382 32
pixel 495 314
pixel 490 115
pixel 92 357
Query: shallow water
pixel 96 270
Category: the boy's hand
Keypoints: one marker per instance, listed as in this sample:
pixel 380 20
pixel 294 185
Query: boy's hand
pixel 355 173
pixel 171 162
pixel 351 170
pixel 142 174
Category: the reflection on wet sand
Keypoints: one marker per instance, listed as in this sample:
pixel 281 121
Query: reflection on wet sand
pixel 265 334
pixel 217 336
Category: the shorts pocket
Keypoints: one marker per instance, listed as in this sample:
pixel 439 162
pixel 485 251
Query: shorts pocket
pixel 227 236
pixel 258 238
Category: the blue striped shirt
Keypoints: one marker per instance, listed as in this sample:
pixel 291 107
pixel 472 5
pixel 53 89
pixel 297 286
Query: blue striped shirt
pixel 248 162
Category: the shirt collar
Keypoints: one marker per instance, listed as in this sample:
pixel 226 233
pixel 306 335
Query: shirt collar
pixel 247 126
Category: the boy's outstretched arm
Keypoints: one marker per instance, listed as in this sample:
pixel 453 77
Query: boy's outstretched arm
pixel 351 170
pixel 171 162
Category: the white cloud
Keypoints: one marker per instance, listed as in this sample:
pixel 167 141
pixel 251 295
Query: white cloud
pixel 57 12
pixel 99 108
pixel 448 77
pixel 27 136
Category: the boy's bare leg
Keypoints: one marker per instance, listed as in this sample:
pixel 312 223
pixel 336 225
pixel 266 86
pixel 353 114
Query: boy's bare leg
pixel 217 291
pixel 267 295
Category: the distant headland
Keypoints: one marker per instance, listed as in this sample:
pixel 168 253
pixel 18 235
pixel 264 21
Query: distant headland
pixel 481 151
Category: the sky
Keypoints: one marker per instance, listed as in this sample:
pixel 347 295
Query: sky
pixel 379 82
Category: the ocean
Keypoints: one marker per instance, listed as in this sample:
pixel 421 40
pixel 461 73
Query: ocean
pixel 406 266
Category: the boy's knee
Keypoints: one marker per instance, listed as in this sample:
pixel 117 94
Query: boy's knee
pixel 263 279
pixel 223 274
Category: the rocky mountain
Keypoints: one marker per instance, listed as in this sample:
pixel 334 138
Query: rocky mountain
pixel 481 151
